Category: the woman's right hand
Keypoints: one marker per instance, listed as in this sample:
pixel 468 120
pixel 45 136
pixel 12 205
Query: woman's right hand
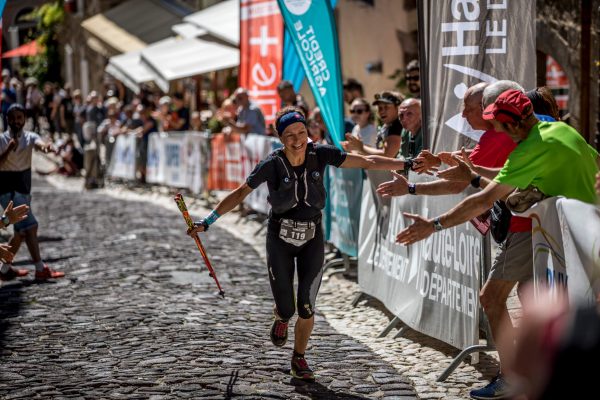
pixel 5 253
pixel 198 227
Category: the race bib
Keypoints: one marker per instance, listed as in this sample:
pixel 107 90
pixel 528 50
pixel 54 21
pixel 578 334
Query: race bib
pixel 296 232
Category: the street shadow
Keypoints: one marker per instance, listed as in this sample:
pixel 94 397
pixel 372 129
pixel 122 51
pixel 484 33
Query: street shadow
pixel 47 260
pixel 317 391
pixel 10 306
pixel 44 238
pixel 231 384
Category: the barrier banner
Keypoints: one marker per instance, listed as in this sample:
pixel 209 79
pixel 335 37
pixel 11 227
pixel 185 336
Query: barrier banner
pixel 196 161
pixel 461 44
pixel 225 171
pixel 256 148
pixel 261 53
pixel 566 248
pixel 122 163
pixel 432 286
pixel 311 25
pixel 175 161
pixel 155 164
pixel 345 194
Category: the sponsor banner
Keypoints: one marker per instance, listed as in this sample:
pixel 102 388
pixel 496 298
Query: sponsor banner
pixel 566 248
pixel 261 53
pixel 155 165
pixel 433 285
pixel 175 161
pixel 345 194
pixel 226 164
pixel 257 148
pixel 122 162
pixel 463 43
pixel 196 161
pixel 313 32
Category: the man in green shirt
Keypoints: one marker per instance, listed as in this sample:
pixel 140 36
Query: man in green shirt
pixel 550 156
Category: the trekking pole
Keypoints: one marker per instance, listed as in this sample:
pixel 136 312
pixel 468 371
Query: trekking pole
pixel 188 220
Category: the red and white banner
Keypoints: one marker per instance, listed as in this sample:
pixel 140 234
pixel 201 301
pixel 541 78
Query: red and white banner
pixel 261 53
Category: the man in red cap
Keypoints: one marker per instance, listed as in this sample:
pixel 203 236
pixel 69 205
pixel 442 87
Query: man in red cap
pixel 553 157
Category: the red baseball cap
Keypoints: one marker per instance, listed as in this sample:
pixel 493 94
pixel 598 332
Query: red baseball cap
pixel 511 106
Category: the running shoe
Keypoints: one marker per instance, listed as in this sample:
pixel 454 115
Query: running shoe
pixel 48 273
pixel 279 332
pixel 13 273
pixel 498 388
pixel 301 370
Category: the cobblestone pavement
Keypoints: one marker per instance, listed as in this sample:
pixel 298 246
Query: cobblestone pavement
pixel 137 317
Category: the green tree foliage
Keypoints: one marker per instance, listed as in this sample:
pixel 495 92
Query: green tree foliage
pixel 45 66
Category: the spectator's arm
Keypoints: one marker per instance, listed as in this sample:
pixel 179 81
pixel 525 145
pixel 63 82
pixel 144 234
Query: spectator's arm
pixel 239 127
pixel 12 144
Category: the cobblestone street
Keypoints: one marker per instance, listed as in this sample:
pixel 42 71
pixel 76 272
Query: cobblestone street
pixel 137 316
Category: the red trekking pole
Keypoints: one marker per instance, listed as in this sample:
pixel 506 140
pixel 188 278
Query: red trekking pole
pixel 188 220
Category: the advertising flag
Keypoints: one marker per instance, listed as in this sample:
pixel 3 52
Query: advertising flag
pixel 311 26
pixel 261 54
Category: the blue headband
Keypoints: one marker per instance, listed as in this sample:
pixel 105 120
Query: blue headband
pixel 288 119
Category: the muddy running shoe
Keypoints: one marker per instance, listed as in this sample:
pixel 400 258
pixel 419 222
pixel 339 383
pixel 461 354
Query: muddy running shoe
pixel 48 273
pixel 279 332
pixel 301 370
pixel 13 273
pixel 498 388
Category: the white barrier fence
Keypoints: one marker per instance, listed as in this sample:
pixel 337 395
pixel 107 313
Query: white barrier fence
pixel 566 248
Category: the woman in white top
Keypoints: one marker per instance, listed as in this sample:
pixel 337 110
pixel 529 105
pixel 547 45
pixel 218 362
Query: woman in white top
pixel 361 114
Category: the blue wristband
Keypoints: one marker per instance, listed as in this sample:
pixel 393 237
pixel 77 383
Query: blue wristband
pixel 212 217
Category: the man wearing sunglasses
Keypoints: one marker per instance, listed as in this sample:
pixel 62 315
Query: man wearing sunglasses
pixel 413 79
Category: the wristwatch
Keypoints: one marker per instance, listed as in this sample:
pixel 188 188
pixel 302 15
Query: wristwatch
pixel 476 182
pixel 203 223
pixel 437 225
pixel 5 220
pixel 412 188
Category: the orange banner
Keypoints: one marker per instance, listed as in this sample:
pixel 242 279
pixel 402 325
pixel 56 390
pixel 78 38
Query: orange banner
pixel 226 162
pixel 261 53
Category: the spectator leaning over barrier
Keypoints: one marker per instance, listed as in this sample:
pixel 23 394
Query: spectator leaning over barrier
pixel 149 125
pixel 409 114
pixel 513 263
pixel 11 216
pixel 362 116
pixel 550 156
pixel 16 147
pixel 544 104
pixel 413 78
pixel 250 118
pixel 294 176
pixel 389 135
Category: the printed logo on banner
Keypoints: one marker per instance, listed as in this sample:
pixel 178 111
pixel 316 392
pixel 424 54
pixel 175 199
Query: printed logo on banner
pixel 261 54
pixel 473 41
pixel 297 7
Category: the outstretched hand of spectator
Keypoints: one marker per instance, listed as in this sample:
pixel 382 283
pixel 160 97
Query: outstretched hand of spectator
pixel 421 229
pixel 5 253
pixel 353 143
pixel 463 171
pixel 446 158
pixel 426 163
pixel 16 214
pixel 396 187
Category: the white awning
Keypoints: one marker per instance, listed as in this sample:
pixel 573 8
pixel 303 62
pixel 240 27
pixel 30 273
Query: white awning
pixel 129 69
pixel 187 30
pixel 221 20
pixel 175 58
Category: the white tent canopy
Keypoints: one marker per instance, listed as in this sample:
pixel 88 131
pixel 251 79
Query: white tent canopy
pixel 221 21
pixel 175 58
pixel 187 30
pixel 129 69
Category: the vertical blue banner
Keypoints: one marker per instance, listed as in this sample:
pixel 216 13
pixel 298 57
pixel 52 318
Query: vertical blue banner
pixel 311 26
pixel 2 4
pixel 292 69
